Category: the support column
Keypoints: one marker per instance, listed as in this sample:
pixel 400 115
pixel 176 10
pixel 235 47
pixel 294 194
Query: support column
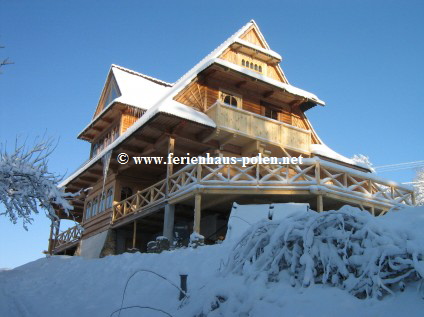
pixel 134 235
pixel 51 247
pixel 169 167
pixel 168 223
pixel 320 204
pixel 197 213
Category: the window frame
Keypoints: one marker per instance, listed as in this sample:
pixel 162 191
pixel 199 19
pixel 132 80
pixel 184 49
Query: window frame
pixel 223 93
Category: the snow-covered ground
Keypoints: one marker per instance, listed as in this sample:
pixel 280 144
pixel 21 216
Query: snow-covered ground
pixel 72 286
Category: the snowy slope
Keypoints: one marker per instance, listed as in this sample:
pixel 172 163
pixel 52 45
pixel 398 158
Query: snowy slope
pixel 73 286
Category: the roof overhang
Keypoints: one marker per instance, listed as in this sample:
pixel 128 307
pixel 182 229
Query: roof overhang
pixel 260 53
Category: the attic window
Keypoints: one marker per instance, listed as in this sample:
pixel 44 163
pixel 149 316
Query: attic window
pixel 230 99
pixel 253 65
pixel 111 94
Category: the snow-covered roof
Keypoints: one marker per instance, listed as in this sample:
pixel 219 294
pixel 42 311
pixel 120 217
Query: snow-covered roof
pixel 170 107
pixel 258 48
pixel 324 150
pixel 136 89
pixel 289 88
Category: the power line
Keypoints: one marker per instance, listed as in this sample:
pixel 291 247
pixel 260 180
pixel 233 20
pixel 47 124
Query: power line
pixel 399 166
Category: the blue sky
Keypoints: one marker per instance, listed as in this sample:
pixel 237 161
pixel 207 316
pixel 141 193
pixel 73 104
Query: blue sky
pixel 364 58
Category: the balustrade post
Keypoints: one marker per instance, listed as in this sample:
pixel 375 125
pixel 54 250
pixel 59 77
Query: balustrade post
pixel 317 173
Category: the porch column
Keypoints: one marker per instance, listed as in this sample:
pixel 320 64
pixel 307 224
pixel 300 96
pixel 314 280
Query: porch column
pixel 51 247
pixel 134 241
pixel 197 213
pixel 320 204
pixel 168 224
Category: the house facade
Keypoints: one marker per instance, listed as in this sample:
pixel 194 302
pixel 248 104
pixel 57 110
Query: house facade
pixel 234 103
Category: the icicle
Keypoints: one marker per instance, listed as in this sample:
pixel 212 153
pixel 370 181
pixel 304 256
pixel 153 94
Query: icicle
pixel 105 161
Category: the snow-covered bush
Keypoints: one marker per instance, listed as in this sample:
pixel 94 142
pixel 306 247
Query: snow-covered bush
pixel 363 160
pixel 348 248
pixel 419 187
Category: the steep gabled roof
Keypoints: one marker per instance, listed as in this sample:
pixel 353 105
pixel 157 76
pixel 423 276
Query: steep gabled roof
pixel 136 89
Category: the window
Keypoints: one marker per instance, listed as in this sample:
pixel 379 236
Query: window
pixel 88 211
pixel 230 99
pixel 109 198
pixel 112 93
pixel 102 203
pixel 103 142
pixel 95 207
pixel 126 192
pixel 271 113
pixel 252 64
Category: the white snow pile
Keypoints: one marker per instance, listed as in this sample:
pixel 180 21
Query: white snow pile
pixel 348 248
pixel 248 277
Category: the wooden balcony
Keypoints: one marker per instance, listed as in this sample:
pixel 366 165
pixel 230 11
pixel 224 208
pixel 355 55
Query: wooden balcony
pixel 314 177
pixel 256 127
pixel 67 238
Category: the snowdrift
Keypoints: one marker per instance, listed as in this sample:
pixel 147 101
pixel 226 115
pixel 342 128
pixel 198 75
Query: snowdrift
pixel 232 279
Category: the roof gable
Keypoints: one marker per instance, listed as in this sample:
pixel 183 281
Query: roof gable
pixel 254 36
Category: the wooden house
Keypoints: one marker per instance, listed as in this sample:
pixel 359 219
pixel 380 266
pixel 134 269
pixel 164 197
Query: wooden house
pixel 236 102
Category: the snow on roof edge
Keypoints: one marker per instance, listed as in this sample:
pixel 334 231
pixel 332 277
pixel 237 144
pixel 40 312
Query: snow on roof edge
pixel 289 88
pixel 258 48
pixel 170 109
pixel 324 150
pixel 133 72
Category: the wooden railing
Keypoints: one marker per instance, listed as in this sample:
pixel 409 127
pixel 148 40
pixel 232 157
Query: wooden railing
pixel 147 197
pixel 71 235
pixel 258 127
pixel 316 175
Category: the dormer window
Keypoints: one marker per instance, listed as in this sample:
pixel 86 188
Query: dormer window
pixel 111 94
pixel 230 99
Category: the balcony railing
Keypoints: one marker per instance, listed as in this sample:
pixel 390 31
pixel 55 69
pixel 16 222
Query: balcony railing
pixel 258 127
pixel 314 175
pixel 69 236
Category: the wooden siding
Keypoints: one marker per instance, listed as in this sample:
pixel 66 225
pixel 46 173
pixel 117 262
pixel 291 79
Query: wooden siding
pixel 127 120
pixel 194 95
pixel 253 37
pixel 202 97
pixel 231 56
pixel 98 223
pixel 274 73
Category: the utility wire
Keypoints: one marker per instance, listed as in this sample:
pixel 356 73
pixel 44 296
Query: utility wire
pixel 399 166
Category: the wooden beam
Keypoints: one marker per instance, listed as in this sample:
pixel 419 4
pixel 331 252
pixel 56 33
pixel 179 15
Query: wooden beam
pixel 268 94
pixel 170 167
pixel 240 84
pixel 250 148
pixel 226 140
pixel 197 213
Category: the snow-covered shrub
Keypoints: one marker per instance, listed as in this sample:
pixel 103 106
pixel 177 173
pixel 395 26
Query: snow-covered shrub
pixel 196 240
pixel 363 160
pixel 160 244
pixel 348 248
pixel 419 187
